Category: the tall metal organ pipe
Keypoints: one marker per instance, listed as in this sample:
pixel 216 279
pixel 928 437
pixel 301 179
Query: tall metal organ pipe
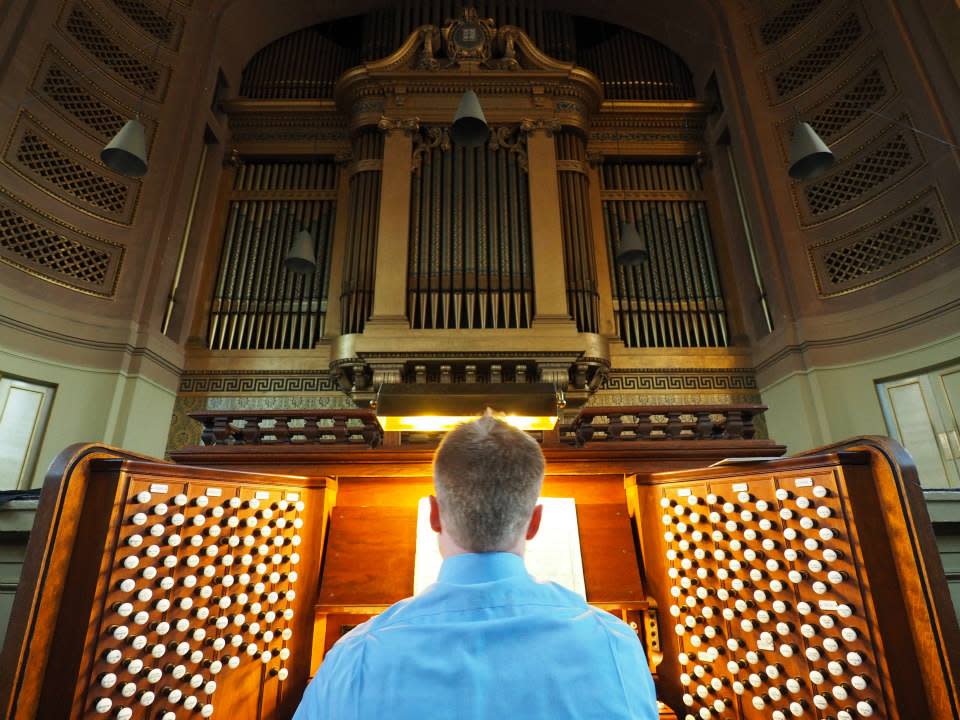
pixel 356 295
pixel 579 266
pixel 674 299
pixel 257 304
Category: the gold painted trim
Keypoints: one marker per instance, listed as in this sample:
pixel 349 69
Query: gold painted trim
pixel 73 228
pixel 654 195
pixel 851 160
pixel 577 166
pixel 134 185
pixel 267 195
pixel 933 190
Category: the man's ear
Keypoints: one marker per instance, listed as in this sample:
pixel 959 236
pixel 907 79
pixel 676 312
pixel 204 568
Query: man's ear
pixel 535 519
pixel 434 514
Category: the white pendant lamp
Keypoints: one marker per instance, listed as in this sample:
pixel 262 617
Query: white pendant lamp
pixel 469 127
pixel 126 153
pixel 633 247
pixel 809 154
pixel 302 256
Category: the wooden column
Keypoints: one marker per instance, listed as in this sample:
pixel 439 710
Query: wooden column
pixel 331 327
pixel 607 322
pixel 549 283
pixel 390 288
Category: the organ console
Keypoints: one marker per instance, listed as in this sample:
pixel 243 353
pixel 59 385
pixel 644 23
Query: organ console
pixel 804 587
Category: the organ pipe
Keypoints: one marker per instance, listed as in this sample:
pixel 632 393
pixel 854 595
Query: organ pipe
pixel 306 64
pixel 470 258
pixel 257 304
pixel 674 299
pixel 356 297
pixel 579 266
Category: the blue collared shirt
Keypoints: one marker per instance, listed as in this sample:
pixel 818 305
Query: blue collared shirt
pixel 485 641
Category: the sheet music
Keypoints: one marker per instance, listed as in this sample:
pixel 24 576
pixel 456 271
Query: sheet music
pixel 554 554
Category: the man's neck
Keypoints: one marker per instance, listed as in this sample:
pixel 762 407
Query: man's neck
pixel 449 547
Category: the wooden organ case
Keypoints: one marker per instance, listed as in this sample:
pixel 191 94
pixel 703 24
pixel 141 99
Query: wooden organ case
pixel 806 587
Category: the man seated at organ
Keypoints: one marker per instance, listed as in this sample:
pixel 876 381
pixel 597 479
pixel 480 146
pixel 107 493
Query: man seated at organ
pixel 486 640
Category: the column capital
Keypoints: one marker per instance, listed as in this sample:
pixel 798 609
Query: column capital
pixel 406 125
pixel 548 126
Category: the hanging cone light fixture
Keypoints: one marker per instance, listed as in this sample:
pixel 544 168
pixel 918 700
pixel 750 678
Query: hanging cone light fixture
pixel 633 247
pixel 469 127
pixel 126 153
pixel 301 258
pixel 809 154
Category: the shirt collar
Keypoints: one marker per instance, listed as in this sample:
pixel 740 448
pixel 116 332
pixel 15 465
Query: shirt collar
pixel 473 568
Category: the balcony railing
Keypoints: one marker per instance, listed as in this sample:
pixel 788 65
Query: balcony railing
pixel 594 425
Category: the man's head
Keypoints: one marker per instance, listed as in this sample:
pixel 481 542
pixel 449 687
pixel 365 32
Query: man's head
pixel 488 476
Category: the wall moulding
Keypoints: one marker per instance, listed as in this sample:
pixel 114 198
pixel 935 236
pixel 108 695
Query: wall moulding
pixel 627 127
pixel 268 382
pixel 68 175
pixel 287 126
pixel 46 248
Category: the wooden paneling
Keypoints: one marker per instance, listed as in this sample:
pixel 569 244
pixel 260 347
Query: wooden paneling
pixel 369 560
pixel 610 570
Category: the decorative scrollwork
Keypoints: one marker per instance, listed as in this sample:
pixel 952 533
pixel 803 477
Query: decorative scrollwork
pixel 410 125
pixel 427 60
pixel 513 140
pixel 424 141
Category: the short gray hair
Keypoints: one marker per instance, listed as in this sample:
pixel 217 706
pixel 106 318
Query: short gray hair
pixel 488 476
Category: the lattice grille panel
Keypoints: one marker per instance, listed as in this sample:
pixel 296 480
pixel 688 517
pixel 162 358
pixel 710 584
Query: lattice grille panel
pixel 887 161
pixel 165 29
pixel 785 21
pixel 96 40
pixel 891 245
pixel 820 58
pixel 45 161
pixel 56 254
pixel 60 87
pixel 852 105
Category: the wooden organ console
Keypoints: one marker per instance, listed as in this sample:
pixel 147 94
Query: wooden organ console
pixel 803 587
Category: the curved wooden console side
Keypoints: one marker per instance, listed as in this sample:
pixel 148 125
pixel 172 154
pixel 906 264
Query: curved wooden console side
pixel 41 593
pixel 930 612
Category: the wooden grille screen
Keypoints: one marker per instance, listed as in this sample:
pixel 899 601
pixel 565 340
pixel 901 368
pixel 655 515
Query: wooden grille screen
pixel 809 67
pixel 470 263
pixel 674 299
pixel 95 37
pixel 257 304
